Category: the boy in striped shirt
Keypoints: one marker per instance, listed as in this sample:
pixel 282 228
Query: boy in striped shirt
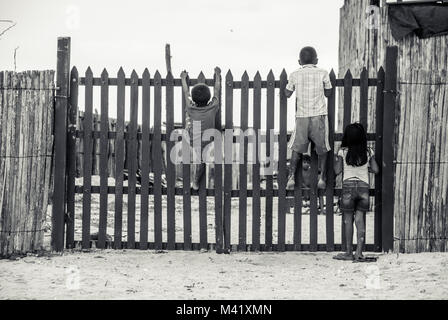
pixel 312 85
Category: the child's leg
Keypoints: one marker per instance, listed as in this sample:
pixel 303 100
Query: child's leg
pixel 319 135
pixel 348 225
pixel 199 170
pixel 295 158
pixel 361 233
pixel 322 184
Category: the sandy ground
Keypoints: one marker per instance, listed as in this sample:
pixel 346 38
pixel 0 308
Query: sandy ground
pixel 193 275
pixel 133 274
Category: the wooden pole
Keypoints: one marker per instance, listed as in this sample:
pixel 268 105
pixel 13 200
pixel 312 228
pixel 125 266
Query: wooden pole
pixel 390 95
pixel 168 58
pixel 60 141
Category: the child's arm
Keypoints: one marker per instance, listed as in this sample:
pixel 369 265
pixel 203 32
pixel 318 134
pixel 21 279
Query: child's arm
pixel 338 164
pixel 290 87
pixel 185 88
pixel 217 91
pixel 373 166
pixel 328 87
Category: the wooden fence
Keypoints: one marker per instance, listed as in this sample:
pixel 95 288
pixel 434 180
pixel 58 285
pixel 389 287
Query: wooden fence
pixel 222 191
pixel 421 153
pixel 26 145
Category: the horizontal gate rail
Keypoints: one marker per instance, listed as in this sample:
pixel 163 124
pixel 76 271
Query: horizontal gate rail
pixel 211 192
pixel 210 82
pixel 113 135
pixel 178 246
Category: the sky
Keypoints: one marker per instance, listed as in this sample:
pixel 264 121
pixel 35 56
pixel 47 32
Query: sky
pixel 241 35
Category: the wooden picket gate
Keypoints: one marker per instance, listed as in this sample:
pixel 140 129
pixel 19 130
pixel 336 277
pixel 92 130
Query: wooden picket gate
pixel 66 188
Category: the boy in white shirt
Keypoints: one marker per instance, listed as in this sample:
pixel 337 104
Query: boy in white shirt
pixel 312 85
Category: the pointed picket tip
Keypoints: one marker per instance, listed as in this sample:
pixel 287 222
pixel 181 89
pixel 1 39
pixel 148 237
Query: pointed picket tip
pixel 245 76
pixel 381 70
pixel 257 76
pixel 283 75
pixel 229 75
pixel 348 74
pixel 146 73
pixel 157 75
pixel 201 77
pixel 121 72
pixel 74 72
pixel 271 75
pixel 364 72
pixel 104 74
pixel 134 74
pixel 89 72
pixel 332 74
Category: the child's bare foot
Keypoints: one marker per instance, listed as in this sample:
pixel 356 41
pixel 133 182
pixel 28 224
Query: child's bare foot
pixel 344 257
pixel 322 184
pixel 361 258
pixel 195 186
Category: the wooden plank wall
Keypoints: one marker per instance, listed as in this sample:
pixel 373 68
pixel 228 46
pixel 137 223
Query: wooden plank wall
pixel 420 206
pixel 26 145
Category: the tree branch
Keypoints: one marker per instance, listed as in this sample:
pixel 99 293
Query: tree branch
pixel 9 28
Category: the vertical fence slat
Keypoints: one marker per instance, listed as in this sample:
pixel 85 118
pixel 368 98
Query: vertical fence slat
pixel 88 149
pixel 270 115
pixel 298 207
pixel 256 203
pixel 146 156
pixel 203 196
pixel 218 177
pixel 364 98
pixel 243 163
pixel 379 158
pixel 103 158
pixel 157 148
pixel 329 217
pixel 71 158
pixel 119 160
pixel 348 88
pixel 60 141
pixel 3 142
pixel 132 160
pixel 363 111
pixel 228 166
pixel 388 149
pixel 171 170
pixel 186 172
pixel 314 211
pixel 348 85
pixel 282 169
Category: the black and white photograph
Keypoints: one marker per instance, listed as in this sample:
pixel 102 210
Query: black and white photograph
pixel 237 152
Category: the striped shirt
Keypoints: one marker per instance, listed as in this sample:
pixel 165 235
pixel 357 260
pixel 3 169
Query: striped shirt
pixel 309 83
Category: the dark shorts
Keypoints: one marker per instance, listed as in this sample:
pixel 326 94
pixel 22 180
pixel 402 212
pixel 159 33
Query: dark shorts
pixel 355 196
pixel 313 129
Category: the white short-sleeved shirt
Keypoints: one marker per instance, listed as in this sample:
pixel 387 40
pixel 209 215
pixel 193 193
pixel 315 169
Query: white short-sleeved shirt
pixel 351 172
pixel 309 83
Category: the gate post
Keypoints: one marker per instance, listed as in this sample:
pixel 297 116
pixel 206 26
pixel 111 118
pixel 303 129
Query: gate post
pixel 390 102
pixel 60 144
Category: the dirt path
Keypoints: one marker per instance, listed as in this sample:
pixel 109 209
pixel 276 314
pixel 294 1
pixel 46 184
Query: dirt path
pixel 193 275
